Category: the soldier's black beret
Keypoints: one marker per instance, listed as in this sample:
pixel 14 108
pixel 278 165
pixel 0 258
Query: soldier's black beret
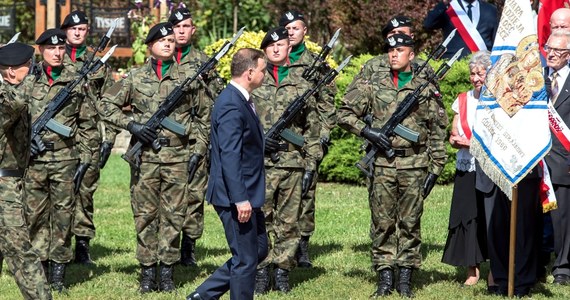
pixel 74 18
pixel 15 54
pixel 159 31
pixel 291 16
pixel 274 35
pixel 398 40
pixel 395 22
pixel 179 15
pixel 53 36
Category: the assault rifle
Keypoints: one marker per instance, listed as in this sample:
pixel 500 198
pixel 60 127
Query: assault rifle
pixel 319 64
pixel 280 128
pixel 438 52
pixel 45 120
pixel 102 45
pixel 160 117
pixel 403 110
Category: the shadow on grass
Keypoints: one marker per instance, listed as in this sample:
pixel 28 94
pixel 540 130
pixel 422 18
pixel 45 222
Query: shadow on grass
pixel 78 273
pixel 299 275
pixel 99 251
pixel 316 250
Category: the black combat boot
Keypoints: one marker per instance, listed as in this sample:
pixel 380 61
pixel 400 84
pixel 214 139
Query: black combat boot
pixel 148 279
pixel 57 276
pixel 282 280
pixel 262 281
pixel 385 283
pixel 404 286
pixel 82 251
pixel 303 260
pixel 166 278
pixel 45 266
pixel 187 256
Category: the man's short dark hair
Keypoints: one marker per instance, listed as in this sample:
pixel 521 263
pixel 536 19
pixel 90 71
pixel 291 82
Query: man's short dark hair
pixel 244 59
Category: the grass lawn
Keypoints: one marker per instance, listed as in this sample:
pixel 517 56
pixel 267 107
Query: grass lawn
pixel 340 251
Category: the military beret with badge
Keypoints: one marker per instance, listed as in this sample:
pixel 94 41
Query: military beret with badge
pixel 179 15
pixel 291 16
pixel 274 35
pixel 53 36
pixel 15 54
pixel 395 22
pixel 74 18
pixel 159 31
pixel 398 40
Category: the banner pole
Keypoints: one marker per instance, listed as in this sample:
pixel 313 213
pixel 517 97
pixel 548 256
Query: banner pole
pixel 512 242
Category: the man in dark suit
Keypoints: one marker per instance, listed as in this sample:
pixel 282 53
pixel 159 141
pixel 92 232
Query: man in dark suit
pixel 236 186
pixel 558 54
pixel 475 14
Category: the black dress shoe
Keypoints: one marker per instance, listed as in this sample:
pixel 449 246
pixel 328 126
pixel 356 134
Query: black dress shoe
pixel 194 296
pixel 493 290
pixel 561 279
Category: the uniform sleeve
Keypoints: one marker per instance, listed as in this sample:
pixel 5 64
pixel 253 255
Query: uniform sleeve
pixel 201 121
pixel 11 106
pixel 437 134
pixel 86 130
pixel 114 99
pixel 326 110
pixel 311 132
pixel 434 18
pixel 355 103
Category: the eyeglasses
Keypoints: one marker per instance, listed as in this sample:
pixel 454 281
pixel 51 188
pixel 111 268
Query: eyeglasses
pixel 557 51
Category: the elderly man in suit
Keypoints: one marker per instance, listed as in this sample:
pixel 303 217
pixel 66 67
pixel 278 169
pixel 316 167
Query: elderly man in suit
pixel 558 53
pixel 479 20
pixel 237 179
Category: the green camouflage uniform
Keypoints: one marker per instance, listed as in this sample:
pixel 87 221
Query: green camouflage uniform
pixel 83 224
pixel 159 188
pixel 327 115
pixel 395 197
pixel 283 191
pixel 194 220
pixel 15 244
pixel 49 181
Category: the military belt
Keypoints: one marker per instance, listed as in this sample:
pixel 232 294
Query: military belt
pixel 405 152
pixel 56 145
pixel 172 142
pixel 286 147
pixel 11 173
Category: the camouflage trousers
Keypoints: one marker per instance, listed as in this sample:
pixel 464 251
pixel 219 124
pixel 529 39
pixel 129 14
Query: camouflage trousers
pixel 307 217
pixel 83 218
pixel 396 207
pixel 159 202
pixel 49 204
pixel 282 208
pixel 21 259
pixel 194 221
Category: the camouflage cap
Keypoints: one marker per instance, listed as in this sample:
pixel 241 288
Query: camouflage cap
pixel 159 31
pixel 179 15
pixel 274 35
pixel 53 36
pixel 398 40
pixel 74 18
pixel 291 16
pixel 15 54
pixel 395 22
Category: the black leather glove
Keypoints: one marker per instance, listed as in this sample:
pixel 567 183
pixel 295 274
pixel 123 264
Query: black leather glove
pixel 104 153
pixel 37 148
pixel 193 165
pixel 306 182
pixel 142 132
pixel 429 182
pixel 271 145
pixel 78 177
pixel 325 141
pixel 377 137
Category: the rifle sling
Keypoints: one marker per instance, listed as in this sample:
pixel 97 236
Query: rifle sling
pixel 405 152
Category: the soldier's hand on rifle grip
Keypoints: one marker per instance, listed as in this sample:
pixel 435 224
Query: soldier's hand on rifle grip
pixel 307 182
pixel 36 149
pixel 104 153
pixel 193 165
pixel 78 176
pixel 429 183
pixel 271 146
pixel 377 137
pixel 142 132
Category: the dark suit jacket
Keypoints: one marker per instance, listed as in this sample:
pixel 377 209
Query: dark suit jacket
pixel 487 26
pixel 237 171
pixel 557 158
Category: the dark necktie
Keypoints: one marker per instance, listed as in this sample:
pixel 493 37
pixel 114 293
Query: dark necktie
pixel 469 11
pixel 554 87
pixel 252 106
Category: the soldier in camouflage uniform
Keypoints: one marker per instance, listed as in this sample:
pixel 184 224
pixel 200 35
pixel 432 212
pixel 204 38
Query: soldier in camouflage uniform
pixel 55 174
pixel 294 22
pixel 22 260
pixel 76 29
pixel 189 60
pixel 159 184
pixel 398 185
pixel 281 86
